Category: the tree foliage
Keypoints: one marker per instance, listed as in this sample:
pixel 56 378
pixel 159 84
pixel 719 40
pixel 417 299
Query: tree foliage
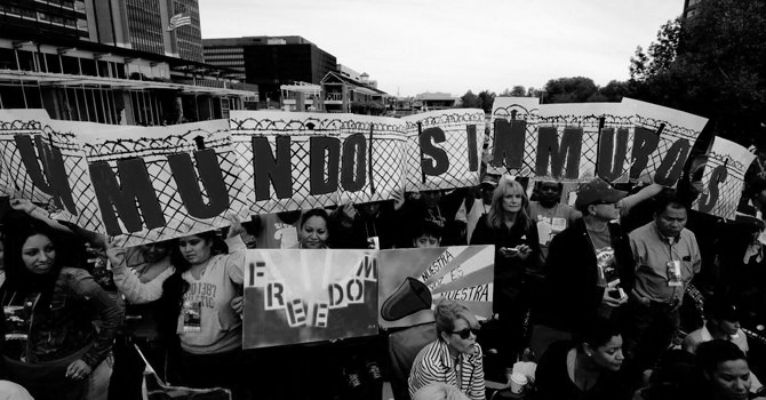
pixel 719 69
pixel 660 54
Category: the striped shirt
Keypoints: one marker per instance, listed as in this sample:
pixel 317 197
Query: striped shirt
pixel 434 364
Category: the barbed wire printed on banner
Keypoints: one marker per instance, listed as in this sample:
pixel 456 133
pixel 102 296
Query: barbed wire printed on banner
pixel 723 179
pixel 444 149
pixel 174 186
pixel 508 109
pixel 331 159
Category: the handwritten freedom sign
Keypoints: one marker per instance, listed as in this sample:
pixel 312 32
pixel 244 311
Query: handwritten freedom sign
pixel 301 296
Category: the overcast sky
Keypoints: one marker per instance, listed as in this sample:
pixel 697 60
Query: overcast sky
pixel 414 46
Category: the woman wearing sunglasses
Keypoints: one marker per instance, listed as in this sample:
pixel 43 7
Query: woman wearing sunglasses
pixel 454 357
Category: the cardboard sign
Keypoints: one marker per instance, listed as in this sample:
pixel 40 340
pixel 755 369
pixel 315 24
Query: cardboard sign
pixel 723 179
pixel 146 184
pixel 412 281
pixel 153 184
pixel 574 142
pixel 307 160
pixel 301 296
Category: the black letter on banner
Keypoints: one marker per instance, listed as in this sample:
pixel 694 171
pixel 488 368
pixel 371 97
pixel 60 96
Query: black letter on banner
pixel 473 148
pixel 644 145
pixel 353 173
pixel 548 148
pixel 52 177
pixel 319 147
pixel 613 148
pixel 673 164
pixel 135 186
pixel 717 177
pixel 439 162
pixel 509 143
pixel 188 183
pixel 268 170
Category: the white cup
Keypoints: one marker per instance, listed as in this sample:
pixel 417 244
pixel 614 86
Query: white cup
pixel 518 382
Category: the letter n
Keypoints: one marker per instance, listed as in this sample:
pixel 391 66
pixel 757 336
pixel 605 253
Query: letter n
pixel 51 178
pixel 134 187
pixel 509 143
pixel 268 170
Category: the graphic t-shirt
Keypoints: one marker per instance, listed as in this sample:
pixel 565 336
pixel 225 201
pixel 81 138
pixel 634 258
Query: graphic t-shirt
pixel 276 234
pixel 605 260
pixel 550 222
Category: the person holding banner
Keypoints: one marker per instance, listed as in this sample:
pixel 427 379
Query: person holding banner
pixel 52 311
pixel 454 357
pixel 203 302
pixel 589 270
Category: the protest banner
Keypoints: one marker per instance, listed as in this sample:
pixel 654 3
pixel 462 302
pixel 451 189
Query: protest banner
pixel 723 179
pixel 43 162
pixel 307 160
pixel 571 142
pixel 158 183
pixel 144 184
pixel 302 296
pixel 412 281
pixel 663 138
pixel 444 149
pixel 293 161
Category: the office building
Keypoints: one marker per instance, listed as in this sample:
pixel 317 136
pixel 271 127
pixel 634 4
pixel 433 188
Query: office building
pixel 271 61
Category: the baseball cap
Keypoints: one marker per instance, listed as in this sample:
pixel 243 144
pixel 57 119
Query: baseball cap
pixel 490 179
pixel 597 190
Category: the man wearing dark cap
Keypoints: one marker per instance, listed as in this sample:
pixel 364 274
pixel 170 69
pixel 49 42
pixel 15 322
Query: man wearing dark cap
pixel 473 208
pixel 589 268
pixel 667 257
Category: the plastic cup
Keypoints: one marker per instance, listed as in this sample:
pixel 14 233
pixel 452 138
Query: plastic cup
pixel 518 382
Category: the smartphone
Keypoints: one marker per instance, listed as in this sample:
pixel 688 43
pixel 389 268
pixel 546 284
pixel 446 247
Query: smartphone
pixel 616 293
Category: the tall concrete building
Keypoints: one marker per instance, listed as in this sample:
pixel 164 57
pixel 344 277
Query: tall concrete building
pixel 111 61
pixel 143 25
pixel 271 61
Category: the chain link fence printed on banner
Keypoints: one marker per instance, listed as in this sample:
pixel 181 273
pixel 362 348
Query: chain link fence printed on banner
pixel 723 179
pixel 671 126
pixel 15 180
pixel 514 108
pixel 382 158
pixel 154 152
pixel 457 126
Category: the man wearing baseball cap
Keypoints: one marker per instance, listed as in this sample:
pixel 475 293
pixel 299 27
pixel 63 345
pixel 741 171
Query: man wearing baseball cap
pixel 589 267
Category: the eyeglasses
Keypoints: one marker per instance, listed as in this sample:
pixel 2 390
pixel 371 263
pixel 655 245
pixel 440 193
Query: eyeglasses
pixel 466 333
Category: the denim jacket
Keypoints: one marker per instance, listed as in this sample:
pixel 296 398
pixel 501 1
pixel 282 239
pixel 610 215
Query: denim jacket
pixel 79 314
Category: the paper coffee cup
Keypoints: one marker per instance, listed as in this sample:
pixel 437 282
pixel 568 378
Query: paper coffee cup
pixel 518 381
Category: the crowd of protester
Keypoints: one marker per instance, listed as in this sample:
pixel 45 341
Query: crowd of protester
pixel 624 294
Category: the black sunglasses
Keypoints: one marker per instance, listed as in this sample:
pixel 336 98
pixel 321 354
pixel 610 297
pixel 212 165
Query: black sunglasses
pixel 466 333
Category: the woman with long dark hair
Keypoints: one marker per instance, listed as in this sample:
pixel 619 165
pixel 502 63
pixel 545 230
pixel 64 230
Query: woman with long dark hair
pixel 517 249
pixel 203 304
pixel 51 310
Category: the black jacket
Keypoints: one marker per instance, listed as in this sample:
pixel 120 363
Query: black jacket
pixel 572 294
pixel 510 273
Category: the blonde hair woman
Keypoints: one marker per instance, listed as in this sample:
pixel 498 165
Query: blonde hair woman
pixel 517 249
